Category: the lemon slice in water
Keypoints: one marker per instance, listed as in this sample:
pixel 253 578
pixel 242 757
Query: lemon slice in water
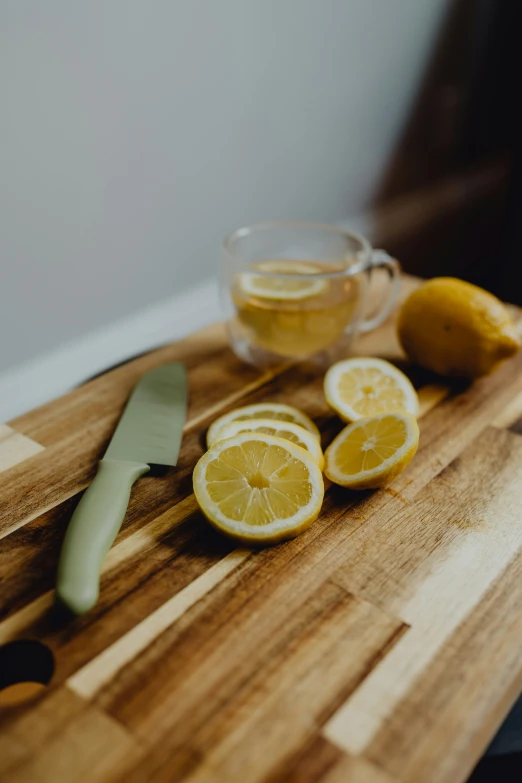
pixel 299 281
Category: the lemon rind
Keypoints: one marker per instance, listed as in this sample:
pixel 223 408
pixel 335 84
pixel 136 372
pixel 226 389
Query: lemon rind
pixel 345 411
pixel 300 418
pixel 274 531
pixel 387 466
pixel 313 287
pixel 236 426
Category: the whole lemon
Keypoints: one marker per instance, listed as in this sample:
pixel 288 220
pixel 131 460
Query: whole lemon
pixel 456 328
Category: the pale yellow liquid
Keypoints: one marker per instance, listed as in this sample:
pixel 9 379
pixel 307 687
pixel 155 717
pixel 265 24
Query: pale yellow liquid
pixel 298 327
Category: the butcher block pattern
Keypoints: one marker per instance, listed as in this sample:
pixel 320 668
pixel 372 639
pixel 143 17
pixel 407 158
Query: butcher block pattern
pixel 15 448
pixel 381 646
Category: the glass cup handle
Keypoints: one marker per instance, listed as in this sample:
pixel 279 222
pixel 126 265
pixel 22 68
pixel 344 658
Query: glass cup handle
pixel 380 259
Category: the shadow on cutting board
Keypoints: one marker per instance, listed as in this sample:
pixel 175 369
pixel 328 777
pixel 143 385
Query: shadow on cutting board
pixel 498 769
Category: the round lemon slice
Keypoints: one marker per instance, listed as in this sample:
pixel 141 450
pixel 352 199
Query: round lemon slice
pixel 371 452
pixel 262 410
pixel 258 488
pixel 357 388
pixel 299 282
pixel 279 429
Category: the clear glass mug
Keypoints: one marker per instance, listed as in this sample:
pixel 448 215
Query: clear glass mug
pixel 292 291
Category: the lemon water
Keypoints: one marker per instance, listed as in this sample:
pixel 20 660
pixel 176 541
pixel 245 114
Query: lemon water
pixel 302 323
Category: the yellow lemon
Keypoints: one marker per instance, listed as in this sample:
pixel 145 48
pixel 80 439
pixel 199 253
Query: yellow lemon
pixel 262 410
pixel 279 429
pixel 455 328
pixel 371 452
pixel 362 387
pixel 258 489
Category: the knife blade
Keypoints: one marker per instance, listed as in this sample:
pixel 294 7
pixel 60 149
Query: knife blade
pixel 148 433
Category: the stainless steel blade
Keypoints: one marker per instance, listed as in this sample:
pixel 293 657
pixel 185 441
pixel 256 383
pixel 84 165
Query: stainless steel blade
pixel 151 427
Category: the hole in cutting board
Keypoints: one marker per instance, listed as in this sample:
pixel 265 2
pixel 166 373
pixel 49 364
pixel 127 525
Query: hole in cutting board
pixel 26 668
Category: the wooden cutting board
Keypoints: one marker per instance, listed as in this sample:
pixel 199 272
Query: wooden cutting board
pixel 383 645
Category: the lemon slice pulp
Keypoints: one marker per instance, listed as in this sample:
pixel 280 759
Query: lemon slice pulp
pixel 262 410
pixel 371 452
pixel 362 387
pixel 279 429
pixel 258 488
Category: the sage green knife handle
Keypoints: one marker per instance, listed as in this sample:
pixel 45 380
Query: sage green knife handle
pixel 92 530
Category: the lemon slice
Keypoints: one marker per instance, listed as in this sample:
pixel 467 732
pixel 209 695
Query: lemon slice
pixel 275 287
pixel 279 429
pixel 357 388
pixel 262 410
pixel 370 452
pixel 258 488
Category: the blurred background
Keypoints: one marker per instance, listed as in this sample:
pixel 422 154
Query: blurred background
pixel 135 135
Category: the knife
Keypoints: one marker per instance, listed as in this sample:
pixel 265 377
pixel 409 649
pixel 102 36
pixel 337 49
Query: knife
pixel 149 432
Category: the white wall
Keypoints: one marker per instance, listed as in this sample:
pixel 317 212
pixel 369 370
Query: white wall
pixel 135 133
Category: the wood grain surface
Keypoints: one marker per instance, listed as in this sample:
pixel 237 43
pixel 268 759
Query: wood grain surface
pixel 381 646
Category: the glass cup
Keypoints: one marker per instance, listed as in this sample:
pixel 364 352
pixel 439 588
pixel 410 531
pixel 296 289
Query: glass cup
pixel 292 291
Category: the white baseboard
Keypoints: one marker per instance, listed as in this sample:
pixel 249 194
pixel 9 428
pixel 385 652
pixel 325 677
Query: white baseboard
pixel 40 380
pixel 51 375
